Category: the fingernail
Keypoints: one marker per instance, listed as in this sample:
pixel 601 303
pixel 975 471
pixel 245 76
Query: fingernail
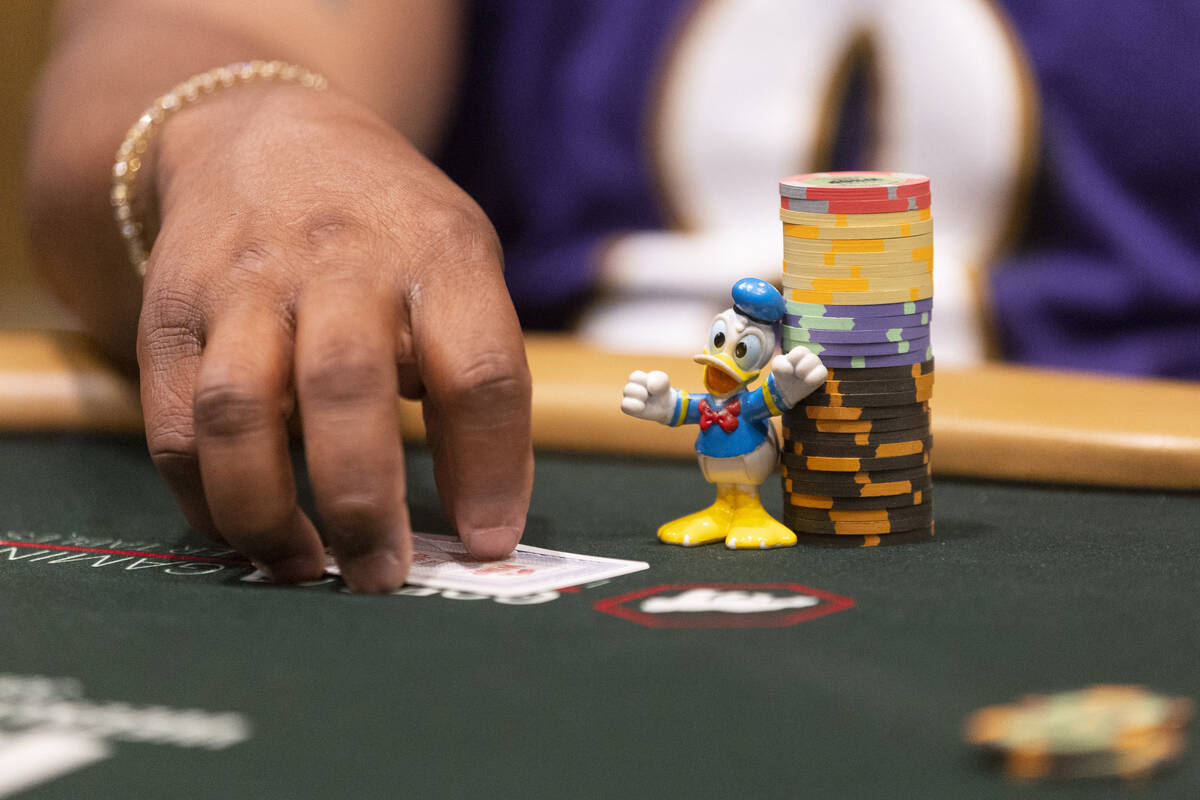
pixel 377 572
pixel 492 543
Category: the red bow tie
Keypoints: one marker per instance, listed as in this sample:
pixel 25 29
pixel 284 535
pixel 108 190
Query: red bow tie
pixel 726 417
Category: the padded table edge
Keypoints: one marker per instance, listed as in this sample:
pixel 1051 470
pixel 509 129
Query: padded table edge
pixel 990 421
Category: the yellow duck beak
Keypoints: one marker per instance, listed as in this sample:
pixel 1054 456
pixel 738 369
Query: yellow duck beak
pixel 721 375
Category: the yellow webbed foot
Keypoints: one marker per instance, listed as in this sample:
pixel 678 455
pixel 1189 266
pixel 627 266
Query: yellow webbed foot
pixel 754 529
pixel 703 527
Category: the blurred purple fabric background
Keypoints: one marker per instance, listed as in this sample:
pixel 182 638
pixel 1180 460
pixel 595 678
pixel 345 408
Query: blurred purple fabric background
pixel 1106 274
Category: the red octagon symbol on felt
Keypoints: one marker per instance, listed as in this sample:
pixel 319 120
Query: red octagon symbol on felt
pixel 724 605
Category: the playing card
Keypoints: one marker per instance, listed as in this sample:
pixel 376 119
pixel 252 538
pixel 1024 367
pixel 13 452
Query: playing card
pixel 442 562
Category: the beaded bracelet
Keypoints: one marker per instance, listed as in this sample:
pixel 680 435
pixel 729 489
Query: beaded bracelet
pixel 127 209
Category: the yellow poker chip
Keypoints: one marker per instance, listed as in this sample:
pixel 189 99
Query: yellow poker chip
pixel 923 280
pixel 883 284
pixel 800 231
pixel 1102 731
pixel 914 268
pixel 855 220
pixel 801 245
pixel 800 257
pixel 859 298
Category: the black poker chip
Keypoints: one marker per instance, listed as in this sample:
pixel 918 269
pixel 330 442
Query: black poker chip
pixel 901 514
pixel 852 414
pixel 837 464
pixel 875 488
pixel 829 503
pixel 809 447
pixel 850 386
pixel 915 536
pixel 882 373
pixel 800 425
pixel 868 439
pixel 865 400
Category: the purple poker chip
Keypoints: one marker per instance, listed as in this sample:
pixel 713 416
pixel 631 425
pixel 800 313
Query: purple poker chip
pixel 866 362
pixel 862 349
pixel 801 322
pixel 856 336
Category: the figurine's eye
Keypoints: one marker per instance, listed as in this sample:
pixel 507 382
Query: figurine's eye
pixel 717 337
pixel 747 351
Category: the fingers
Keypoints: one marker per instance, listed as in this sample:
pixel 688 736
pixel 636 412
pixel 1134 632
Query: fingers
pixel 216 429
pixel 647 396
pixel 239 407
pixel 347 383
pixel 169 347
pixel 798 373
pixel 636 391
pixel 808 367
pixel 635 394
pixel 477 409
pixel 801 362
pixel 633 406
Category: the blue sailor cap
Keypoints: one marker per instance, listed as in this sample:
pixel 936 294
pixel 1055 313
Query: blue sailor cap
pixel 758 300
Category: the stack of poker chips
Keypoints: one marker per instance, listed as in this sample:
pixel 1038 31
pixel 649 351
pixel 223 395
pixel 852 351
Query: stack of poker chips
pixel 858 280
pixel 1103 731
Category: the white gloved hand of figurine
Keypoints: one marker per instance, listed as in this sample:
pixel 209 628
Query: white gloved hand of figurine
pixel 797 374
pixel 649 396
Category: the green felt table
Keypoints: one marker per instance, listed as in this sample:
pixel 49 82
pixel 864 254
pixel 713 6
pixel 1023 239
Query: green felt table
pixel 578 694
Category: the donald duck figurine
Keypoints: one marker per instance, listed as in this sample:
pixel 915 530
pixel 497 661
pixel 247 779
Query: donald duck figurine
pixel 736 444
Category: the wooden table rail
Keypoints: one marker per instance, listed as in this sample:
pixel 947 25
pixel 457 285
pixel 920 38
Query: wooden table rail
pixel 993 421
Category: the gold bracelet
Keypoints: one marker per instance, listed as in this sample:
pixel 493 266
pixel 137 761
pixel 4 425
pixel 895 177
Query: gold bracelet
pixel 127 209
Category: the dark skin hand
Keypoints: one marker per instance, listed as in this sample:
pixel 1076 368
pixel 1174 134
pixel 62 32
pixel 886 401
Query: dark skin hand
pixel 311 262
pixel 310 265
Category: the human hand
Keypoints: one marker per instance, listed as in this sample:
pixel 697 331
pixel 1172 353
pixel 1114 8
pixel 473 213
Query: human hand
pixel 648 396
pixel 797 373
pixel 311 261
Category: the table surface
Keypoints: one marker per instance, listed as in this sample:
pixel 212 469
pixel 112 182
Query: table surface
pixel 1027 588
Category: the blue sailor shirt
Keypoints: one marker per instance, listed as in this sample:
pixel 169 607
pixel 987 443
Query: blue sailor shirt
pixel 749 426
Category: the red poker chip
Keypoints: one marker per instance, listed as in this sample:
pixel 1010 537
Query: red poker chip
pixel 853 186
